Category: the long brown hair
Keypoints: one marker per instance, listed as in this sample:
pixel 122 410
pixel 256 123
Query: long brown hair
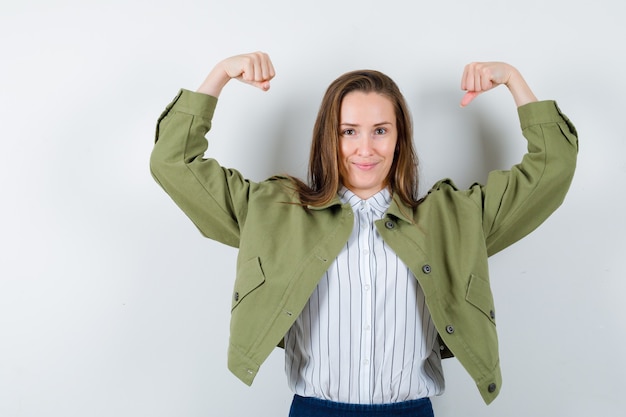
pixel 324 176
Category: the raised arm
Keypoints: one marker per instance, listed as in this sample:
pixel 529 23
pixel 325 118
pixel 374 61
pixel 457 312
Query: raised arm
pixel 214 198
pixel 518 200
pixel 479 77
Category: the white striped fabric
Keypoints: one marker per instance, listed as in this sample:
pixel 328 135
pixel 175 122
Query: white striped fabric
pixel 365 335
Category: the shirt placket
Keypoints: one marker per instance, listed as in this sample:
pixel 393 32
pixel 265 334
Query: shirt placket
pixel 365 269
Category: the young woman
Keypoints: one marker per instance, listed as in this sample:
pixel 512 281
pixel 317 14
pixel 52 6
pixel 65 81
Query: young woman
pixel 365 286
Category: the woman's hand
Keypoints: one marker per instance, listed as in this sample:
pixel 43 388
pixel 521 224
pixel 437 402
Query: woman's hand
pixel 254 68
pixel 479 77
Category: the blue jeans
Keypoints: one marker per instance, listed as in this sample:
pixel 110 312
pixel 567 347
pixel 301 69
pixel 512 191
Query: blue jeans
pixel 315 407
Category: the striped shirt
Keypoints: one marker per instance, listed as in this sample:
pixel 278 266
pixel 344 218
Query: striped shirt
pixel 365 335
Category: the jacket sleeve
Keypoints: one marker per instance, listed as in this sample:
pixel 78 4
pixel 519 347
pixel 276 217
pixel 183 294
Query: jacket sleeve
pixel 517 201
pixel 213 197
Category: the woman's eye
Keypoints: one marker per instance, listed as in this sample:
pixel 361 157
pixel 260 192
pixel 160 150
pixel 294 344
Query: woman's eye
pixel 380 131
pixel 348 132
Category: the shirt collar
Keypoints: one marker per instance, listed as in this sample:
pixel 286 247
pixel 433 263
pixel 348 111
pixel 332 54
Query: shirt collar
pixel 379 202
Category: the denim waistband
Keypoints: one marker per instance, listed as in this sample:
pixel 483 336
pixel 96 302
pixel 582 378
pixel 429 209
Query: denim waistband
pixel 316 407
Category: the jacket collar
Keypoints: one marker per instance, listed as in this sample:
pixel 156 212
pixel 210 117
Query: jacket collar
pixel 397 208
pixel 400 210
pixel 334 202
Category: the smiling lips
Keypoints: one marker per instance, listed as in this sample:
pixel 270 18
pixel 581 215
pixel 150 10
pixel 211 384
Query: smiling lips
pixel 365 166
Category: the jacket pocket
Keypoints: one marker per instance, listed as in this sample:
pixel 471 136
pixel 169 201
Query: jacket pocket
pixel 249 277
pixel 479 295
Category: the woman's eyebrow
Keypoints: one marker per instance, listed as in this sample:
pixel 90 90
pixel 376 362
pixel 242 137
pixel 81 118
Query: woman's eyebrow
pixel 356 124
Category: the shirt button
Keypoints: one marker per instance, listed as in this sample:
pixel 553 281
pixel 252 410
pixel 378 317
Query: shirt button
pixel 367 287
pixel 426 269
pixel 389 224
pixel 450 329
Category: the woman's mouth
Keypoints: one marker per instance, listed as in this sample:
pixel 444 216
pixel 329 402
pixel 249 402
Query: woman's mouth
pixel 365 166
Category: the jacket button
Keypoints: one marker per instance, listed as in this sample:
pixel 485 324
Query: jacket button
pixel 491 387
pixel 426 269
pixel 389 224
pixel 450 329
pixel 236 296
pixel 492 314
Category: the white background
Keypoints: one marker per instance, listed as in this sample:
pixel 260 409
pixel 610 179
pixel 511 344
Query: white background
pixel 112 304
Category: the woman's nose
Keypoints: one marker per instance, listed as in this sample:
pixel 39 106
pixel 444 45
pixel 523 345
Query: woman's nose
pixel 364 146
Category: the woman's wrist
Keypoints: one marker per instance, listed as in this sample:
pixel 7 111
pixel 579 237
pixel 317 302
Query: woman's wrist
pixel 522 94
pixel 214 82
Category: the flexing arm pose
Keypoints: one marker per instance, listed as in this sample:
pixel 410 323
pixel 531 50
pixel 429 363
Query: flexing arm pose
pixel 256 69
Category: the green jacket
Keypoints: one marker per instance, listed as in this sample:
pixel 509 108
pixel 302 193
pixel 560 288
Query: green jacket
pixel 284 248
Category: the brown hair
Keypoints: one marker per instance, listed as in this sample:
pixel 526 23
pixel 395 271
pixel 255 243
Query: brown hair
pixel 324 175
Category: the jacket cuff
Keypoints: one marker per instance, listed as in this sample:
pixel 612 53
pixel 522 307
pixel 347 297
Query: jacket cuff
pixel 193 103
pixel 189 102
pixel 543 112
pixel 539 112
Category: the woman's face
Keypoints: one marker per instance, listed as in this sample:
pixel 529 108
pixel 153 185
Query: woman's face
pixel 367 141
